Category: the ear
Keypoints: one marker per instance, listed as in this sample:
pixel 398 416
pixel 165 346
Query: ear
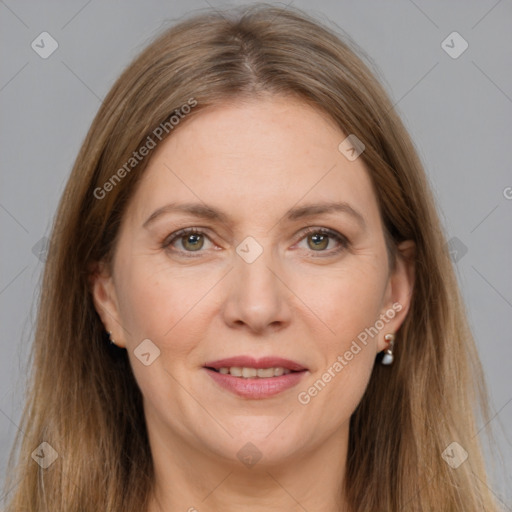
pixel 105 301
pixel 399 290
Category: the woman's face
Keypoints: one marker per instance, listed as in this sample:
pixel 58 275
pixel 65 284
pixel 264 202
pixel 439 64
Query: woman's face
pixel 276 283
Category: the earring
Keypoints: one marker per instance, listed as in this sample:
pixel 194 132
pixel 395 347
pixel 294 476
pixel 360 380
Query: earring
pixel 388 353
pixel 110 339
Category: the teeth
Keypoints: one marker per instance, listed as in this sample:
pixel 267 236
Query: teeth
pixel 248 373
pixel 265 372
pixel 235 371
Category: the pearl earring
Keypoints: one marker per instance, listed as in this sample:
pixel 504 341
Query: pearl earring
pixel 110 339
pixel 388 353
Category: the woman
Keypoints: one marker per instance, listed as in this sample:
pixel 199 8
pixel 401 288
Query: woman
pixel 247 300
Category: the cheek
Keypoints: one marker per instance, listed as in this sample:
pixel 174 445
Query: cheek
pixel 347 301
pixel 167 305
pixel 164 306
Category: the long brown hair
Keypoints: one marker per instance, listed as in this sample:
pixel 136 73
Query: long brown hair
pixel 83 399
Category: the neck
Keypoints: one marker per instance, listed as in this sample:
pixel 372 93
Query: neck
pixel 191 480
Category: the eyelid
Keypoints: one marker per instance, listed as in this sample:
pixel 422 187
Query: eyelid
pixel 176 235
pixel 342 240
pixel 319 229
pixel 302 234
pixel 184 231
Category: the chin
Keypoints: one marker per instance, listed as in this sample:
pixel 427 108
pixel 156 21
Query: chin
pixel 267 441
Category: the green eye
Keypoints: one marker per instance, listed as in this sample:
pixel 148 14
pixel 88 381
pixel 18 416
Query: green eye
pixel 318 241
pixel 192 241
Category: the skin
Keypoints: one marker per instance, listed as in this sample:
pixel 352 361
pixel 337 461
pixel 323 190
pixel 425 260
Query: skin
pixel 254 160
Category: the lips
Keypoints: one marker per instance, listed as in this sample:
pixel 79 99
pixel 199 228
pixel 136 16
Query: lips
pixel 252 378
pixel 251 362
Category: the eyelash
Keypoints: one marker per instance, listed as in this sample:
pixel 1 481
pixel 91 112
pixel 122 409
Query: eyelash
pixel 342 240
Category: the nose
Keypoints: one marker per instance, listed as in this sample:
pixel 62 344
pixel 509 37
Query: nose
pixel 258 298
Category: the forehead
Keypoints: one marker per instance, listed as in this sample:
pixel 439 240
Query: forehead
pixel 255 158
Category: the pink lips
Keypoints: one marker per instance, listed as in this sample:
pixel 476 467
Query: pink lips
pixel 251 362
pixel 255 388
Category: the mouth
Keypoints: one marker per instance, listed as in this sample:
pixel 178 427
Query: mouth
pixel 250 373
pixel 252 378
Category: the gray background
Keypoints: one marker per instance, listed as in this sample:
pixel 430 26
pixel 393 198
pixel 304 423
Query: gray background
pixel 458 112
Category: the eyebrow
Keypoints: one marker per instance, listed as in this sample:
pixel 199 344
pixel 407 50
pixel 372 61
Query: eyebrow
pixel 207 212
pixel 310 210
pixel 198 210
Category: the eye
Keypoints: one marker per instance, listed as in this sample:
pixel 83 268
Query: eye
pixel 193 240
pixel 319 239
pixel 190 239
